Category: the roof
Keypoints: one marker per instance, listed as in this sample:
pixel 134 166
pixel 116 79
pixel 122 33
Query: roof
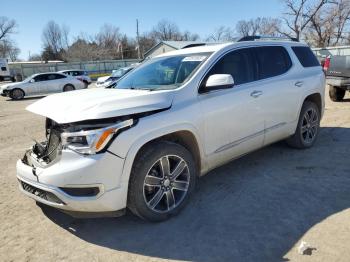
pixel 216 47
pixel 174 44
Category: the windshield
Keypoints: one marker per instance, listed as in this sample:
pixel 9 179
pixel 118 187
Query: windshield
pixel 119 72
pixel 28 78
pixel 163 72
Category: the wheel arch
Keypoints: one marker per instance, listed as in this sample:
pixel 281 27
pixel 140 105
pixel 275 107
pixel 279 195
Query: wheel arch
pixel 19 89
pixel 185 137
pixel 317 99
pixel 68 84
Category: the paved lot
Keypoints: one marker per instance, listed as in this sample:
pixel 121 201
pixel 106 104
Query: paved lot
pixel 257 208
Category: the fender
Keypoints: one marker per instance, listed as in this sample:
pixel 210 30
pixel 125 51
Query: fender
pixel 147 137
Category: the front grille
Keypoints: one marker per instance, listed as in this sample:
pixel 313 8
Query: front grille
pixel 48 196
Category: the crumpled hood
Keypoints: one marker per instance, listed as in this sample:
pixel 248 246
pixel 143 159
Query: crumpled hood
pixel 97 103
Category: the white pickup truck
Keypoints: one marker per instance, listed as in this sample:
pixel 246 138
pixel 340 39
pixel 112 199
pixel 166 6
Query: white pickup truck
pixel 5 71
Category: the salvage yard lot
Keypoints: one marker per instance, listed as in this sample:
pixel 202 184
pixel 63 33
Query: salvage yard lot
pixel 257 208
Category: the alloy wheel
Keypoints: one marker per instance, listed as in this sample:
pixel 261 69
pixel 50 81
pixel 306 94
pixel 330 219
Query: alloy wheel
pixel 166 183
pixel 309 127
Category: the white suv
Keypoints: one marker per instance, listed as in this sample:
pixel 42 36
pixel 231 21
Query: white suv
pixel 143 144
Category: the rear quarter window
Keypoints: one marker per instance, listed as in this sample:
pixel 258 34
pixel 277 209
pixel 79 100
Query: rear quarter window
pixel 305 56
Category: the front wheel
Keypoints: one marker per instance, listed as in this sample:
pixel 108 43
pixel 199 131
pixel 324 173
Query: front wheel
pixel 17 94
pixel 308 127
pixel 162 179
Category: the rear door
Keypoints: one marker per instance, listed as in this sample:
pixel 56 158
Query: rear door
pixel 56 83
pixel 277 90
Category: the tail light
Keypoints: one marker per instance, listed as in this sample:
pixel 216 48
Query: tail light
pixel 81 79
pixel 326 64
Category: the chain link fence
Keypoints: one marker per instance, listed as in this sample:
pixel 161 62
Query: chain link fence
pixel 94 68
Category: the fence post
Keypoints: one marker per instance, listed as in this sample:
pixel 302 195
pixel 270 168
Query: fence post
pixel 22 73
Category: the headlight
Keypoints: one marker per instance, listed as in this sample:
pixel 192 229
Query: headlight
pixel 92 141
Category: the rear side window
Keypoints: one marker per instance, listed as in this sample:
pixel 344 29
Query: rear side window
pixel 239 64
pixel 306 56
pixel 57 76
pixel 272 61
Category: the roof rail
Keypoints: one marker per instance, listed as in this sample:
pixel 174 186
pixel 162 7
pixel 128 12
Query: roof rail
pixel 258 37
pixel 193 45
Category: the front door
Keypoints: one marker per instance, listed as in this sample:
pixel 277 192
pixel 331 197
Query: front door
pixel 232 118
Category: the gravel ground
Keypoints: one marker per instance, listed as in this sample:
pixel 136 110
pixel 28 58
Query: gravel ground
pixel 257 208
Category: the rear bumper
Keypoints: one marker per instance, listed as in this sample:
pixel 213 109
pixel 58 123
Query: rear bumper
pixel 339 82
pixel 49 185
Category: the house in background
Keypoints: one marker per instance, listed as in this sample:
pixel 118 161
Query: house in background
pixel 167 46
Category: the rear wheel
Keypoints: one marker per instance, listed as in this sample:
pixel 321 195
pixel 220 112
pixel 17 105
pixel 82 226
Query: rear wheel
pixel 308 127
pixel 68 87
pixel 336 94
pixel 86 84
pixel 162 179
pixel 17 94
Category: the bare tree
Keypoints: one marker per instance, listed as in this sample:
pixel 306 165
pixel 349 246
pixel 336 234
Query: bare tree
pixel 341 19
pixel 327 26
pixel 221 34
pixel 35 57
pixel 108 39
pixel 8 47
pixel 55 40
pixel 7 27
pixel 166 30
pixel 259 26
pixel 298 15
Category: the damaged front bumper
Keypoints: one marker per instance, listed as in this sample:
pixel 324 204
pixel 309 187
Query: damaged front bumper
pixel 74 182
pixel 5 93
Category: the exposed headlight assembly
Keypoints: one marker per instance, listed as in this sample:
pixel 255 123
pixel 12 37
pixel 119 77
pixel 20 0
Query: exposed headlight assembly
pixel 93 141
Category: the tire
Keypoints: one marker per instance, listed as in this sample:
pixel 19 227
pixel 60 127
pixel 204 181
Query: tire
pixel 68 87
pixel 307 128
pixel 155 197
pixel 86 84
pixel 17 94
pixel 336 94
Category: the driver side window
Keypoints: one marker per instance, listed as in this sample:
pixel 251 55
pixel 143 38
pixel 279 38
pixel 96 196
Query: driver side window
pixel 40 78
pixel 239 64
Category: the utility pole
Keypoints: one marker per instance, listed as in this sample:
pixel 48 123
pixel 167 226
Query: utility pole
pixel 138 40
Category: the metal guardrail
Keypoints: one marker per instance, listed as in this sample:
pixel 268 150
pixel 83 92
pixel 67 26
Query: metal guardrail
pixel 94 68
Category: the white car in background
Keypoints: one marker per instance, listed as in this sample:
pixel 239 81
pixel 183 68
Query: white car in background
pixel 41 84
pixel 105 81
pixel 78 74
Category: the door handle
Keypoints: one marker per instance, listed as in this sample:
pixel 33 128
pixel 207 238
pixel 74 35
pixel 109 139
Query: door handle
pixel 256 93
pixel 299 83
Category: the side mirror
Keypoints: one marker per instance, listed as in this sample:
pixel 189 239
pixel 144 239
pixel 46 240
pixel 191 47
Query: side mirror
pixel 32 80
pixel 219 81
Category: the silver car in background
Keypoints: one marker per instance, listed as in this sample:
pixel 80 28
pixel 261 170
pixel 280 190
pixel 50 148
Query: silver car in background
pixel 78 74
pixel 41 84
pixel 106 81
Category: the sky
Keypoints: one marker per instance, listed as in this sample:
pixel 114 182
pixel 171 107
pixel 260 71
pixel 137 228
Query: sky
pixel 201 17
